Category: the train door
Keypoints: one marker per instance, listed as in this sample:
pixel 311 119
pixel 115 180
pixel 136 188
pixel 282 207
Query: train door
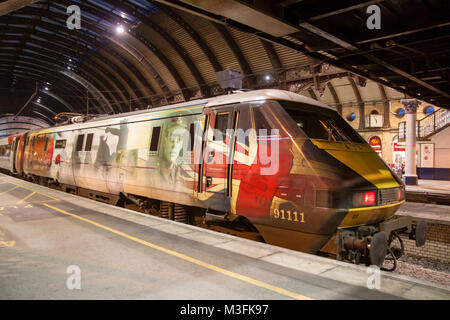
pixel 14 147
pixel 18 159
pixel 217 157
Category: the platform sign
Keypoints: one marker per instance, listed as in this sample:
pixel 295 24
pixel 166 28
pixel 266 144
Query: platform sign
pixel 375 143
pixel 427 155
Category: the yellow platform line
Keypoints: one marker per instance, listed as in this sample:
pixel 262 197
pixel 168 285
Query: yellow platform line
pixel 29 189
pixel 9 190
pixel 190 259
pixel 29 195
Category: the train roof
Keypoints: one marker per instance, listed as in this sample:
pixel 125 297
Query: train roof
pixel 238 97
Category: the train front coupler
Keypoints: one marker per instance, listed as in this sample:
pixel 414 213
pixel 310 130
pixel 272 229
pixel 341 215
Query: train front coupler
pixel 374 244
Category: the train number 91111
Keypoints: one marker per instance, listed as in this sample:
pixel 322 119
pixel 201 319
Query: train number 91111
pixel 289 215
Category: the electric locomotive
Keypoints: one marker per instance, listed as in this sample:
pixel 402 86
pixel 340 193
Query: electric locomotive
pixel 280 164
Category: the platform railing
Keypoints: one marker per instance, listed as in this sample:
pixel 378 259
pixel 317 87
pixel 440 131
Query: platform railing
pixel 427 126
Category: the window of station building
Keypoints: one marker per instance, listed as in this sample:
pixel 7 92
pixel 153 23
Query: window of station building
pixel 400 112
pixel 154 143
pixel 89 139
pixel 220 126
pixel 374 112
pixel 428 110
pixel 80 141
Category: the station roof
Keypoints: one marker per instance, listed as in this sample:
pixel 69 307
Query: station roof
pixel 170 51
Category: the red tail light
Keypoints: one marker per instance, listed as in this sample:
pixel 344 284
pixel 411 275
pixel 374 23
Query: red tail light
pixel 369 198
pixel 364 199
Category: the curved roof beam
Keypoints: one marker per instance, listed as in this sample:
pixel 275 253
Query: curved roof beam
pixel 193 34
pixel 35 62
pixel 335 96
pixel 357 94
pixel 104 103
pixel 36 76
pixel 55 97
pixel 42 75
pixel 43 116
pixel 237 52
pixel 386 111
pixel 88 77
pixel 133 50
pixel 49 15
pixel 174 44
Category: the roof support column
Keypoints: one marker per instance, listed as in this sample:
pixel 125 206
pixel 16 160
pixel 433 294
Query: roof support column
pixel 410 162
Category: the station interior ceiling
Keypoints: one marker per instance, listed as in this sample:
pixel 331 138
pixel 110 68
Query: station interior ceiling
pixel 139 54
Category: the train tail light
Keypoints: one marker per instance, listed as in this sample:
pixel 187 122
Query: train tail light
pixel 364 199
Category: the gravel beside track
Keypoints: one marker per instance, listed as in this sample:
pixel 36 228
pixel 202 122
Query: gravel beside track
pixel 425 269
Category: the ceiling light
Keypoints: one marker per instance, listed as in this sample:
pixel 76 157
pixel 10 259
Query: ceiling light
pixel 120 30
pixel 46 88
pixel 268 77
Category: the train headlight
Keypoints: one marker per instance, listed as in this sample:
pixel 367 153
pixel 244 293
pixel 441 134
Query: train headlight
pixel 364 199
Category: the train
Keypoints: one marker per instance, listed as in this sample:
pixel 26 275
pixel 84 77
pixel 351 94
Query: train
pixel 271 162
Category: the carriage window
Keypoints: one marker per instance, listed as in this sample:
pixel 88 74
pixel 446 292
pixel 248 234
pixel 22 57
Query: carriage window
pixel 89 139
pixel 60 144
pixel 80 140
pixel 221 125
pixel 155 139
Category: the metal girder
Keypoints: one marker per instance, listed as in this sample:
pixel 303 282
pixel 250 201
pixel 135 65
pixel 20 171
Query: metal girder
pixel 360 103
pixel 59 99
pixel 43 75
pixel 386 111
pixel 41 78
pixel 237 52
pixel 87 41
pixel 194 35
pixel 106 15
pixel 82 71
pixel 173 43
pixel 335 96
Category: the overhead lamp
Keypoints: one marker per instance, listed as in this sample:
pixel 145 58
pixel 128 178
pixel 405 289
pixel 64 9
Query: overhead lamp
pixel 68 68
pixel 70 60
pixel 46 88
pixel 120 29
pixel 267 77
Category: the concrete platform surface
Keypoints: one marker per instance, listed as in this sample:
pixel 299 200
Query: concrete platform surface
pixel 430 186
pixel 55 245
pixel 433 213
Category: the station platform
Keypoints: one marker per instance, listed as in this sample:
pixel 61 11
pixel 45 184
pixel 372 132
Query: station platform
pixel 122 254
pixel 429 191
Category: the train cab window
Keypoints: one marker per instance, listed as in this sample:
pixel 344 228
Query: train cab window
pixel 80 141
pixel 321 123
pixel 155 139
pixel 262 126
pixel 89 139
pixel 220 126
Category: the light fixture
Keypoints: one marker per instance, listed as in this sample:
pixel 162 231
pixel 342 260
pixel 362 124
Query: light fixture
pixel 46 88
pixel 70 60
pixel 120 29
pixel 68 68
pixel 268 77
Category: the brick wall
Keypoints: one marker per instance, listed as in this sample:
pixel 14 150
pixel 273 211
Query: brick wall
pixel 437 245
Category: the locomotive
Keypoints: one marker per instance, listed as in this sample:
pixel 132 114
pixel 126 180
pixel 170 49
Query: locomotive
pixel 273 162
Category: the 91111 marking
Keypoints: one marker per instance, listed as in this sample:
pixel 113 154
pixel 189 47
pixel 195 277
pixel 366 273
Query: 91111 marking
pixel 288 215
